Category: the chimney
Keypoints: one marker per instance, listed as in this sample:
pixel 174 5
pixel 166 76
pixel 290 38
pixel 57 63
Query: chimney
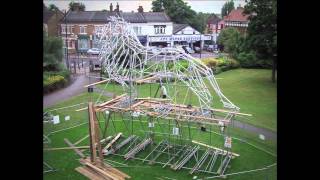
pixel 111 7
pixel 117 9
pixel 140 9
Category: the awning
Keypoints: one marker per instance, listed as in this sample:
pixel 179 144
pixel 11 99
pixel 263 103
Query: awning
pixel 83 36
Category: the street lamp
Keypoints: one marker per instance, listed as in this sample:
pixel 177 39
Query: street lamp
pixel 66 41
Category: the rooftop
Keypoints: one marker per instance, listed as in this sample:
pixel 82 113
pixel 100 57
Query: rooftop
pixel 178 27
pixel 236 15
pixel 101 16
pixel 213 19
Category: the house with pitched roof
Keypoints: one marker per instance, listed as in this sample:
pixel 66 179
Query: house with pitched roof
pixel 237 19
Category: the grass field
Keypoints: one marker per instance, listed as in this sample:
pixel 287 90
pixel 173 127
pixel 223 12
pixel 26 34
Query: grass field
pixel 251 90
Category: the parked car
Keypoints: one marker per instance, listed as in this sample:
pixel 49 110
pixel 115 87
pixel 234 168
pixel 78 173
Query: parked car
pixel 82 50
pixel 94 51
pixel 197 49
pixel 210 48
pixel 187 49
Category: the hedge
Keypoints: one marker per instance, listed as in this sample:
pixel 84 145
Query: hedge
pixel 55 80
pixel 221 64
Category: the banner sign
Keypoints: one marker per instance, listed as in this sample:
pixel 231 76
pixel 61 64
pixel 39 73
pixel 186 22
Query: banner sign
pixel 187 38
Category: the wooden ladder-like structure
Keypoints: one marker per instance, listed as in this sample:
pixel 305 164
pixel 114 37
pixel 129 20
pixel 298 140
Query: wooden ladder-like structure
pixel 94 166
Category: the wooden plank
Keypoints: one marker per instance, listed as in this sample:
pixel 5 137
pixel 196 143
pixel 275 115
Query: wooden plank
pixel 89 173
pixel 149 99
pixel 113 141
pixel 80 140
pixel 97 131
pixel 85 108
pixel 109 168
pixel 112 100
pixel 99 82
pixel 107 174
pixel 224 151
pixel 66 148
pixel 146 79
pixel 92 133
pixel 135 105
pixel 75 149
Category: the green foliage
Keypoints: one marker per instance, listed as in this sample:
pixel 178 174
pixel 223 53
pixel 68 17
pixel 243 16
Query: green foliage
pixel 53 7
pixel 262 29
pixel 52 53
pixel 52 82
pixel 231 40
pixel 72 4
pixel 157 6
pixel 221 64
pixel 180 12
pixel 227 8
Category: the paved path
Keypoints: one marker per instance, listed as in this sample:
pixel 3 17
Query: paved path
pixel 256 130
pixel 73 89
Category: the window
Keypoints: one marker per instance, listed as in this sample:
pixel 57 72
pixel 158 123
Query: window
pixel 82 30
pixel 70 44
pixel 69 29
pixel 160 29
pixel 63 30
pixel 137 30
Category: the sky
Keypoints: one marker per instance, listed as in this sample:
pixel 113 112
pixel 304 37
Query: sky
pixel 205 6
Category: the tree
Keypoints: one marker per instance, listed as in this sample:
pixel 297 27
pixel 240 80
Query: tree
pixel 227 8
pixel 200 21
pixel 72 5
pixel 52 53
pixel 262 30
pixel 53 7
pixel 231 39
pixel 157 6
pixel 178 11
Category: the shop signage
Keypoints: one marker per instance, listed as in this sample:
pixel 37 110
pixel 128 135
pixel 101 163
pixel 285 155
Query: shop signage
pixel 187 38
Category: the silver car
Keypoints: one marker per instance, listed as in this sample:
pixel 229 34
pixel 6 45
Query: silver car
pixel 94 51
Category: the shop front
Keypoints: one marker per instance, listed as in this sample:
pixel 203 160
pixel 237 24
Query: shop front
pixel 174 40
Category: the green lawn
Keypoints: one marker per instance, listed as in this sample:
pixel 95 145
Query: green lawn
pixel 252 91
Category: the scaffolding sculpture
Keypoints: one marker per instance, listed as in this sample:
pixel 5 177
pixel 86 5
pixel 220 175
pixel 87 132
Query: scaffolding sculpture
pixel 127 62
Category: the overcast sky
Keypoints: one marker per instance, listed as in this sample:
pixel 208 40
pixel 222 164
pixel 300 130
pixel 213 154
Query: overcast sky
pixel 206 6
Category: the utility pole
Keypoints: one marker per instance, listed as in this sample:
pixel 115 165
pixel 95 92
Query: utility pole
pixel 66 41
pixel 200 45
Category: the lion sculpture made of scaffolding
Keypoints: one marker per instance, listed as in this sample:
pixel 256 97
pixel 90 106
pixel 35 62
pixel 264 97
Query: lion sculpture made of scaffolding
pixel 124 59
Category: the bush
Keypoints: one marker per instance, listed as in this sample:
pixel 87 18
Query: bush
pixel 234 64
pixel 210 62
pixel 221 64
pixel 217 70
pixel 247 59
pixel 53 82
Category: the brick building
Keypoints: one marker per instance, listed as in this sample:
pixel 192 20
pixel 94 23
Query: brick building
pixel 237 19
pixel 51 21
